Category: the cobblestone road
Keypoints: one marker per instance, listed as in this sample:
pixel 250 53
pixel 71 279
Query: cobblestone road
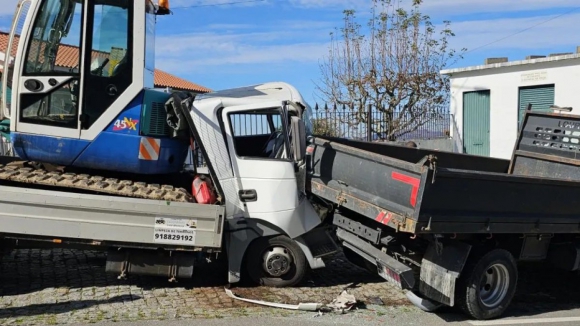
pixel 65 286
pixel 43 287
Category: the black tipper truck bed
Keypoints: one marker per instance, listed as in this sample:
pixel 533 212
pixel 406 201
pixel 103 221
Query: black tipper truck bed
pixel 420 191
pixel 382 192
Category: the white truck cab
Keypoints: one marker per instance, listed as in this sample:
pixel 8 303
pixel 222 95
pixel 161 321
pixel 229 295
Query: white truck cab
pixel 254 139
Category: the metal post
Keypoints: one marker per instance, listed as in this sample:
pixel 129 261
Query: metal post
pixel 370 123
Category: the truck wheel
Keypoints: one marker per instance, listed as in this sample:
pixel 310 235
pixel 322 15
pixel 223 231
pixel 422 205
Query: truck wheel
pixel 277 262
pixel 487 284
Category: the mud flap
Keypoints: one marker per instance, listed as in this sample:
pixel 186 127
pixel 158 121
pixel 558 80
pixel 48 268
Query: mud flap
pixel 440 268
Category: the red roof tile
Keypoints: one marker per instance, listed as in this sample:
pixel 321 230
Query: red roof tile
pixel 165 79
pixel 67 57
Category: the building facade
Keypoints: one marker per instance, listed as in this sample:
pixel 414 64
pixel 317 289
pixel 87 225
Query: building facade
pixel 488 101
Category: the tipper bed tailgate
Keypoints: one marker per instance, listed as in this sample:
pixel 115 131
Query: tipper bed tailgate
pixel 377 186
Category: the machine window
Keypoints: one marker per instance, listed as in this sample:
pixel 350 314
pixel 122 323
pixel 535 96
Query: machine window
pixel 58 108
pixel 56 30
pixel 110 41
pixel 110 70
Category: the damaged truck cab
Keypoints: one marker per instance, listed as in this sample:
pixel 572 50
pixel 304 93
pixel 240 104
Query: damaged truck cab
pixel 254 141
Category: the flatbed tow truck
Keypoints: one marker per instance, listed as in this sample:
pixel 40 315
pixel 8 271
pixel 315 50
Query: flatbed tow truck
pixel 100 154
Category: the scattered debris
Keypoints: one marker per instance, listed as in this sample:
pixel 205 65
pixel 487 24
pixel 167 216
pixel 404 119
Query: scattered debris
pixel 343 303
pixel 300 306
pixel 376 301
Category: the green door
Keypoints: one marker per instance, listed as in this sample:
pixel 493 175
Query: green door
pixel 476 112
pixel 541 98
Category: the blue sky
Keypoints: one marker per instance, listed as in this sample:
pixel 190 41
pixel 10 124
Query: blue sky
pixel 284 40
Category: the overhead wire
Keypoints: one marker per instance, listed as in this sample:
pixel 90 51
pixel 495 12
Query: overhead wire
pixel 524 30
pixel 219 4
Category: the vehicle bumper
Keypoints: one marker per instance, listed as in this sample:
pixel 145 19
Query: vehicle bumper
pixel 388 268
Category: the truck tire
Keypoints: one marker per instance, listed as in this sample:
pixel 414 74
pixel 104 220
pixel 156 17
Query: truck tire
pixel 487 284
pixel 277 262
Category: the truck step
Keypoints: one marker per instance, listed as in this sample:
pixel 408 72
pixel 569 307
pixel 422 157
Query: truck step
pixel 323 250
pixel 320 242
pixel 23 173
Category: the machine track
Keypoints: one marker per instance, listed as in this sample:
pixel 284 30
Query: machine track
pixel 20 172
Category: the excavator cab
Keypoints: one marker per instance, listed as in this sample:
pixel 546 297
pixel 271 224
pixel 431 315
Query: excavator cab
pixel 82 87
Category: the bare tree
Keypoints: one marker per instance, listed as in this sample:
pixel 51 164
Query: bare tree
pixel 393 66
pixel 323 127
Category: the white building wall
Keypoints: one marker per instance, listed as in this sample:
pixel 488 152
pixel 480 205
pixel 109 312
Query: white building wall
pixel 504 84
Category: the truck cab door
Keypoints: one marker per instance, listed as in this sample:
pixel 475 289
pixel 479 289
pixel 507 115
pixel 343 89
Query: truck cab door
pixel 260 147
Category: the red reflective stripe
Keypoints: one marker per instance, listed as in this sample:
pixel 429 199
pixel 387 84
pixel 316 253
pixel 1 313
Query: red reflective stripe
pixel 414 182
pixel 387 219
pixel 380 217
pixel 384 218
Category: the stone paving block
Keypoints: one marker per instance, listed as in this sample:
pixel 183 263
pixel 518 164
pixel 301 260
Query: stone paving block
pixel 59 286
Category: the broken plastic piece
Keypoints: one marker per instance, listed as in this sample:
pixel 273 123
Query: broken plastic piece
pixel 343 302
pixel 300 306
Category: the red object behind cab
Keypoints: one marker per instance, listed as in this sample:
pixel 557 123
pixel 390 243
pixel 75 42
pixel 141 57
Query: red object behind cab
pixel 202 190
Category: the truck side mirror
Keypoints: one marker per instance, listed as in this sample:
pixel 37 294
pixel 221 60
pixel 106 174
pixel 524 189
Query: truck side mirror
pixel 298 130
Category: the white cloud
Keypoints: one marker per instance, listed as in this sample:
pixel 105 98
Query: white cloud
pixel 180 4
pixel 483 6
pixel 263 56
pixel 559 34
pixel 296 42
pixel 346 4
pixel 446 7
pixel 311 25
pixel 229 26
pixel 279 26
pixel 212 50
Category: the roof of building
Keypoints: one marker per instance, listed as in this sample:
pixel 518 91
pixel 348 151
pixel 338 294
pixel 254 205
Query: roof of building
pixel 164 79
pixel 512 63
pixel 67 57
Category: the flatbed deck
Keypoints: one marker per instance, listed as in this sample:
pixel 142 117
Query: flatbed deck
pixel 103 220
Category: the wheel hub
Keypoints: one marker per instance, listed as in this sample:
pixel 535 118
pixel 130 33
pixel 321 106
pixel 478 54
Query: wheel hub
pixel 277 261
pixel 494 285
